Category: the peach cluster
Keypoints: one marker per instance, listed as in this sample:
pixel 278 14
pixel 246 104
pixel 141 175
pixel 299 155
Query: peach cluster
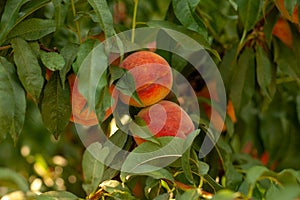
pixel 153 81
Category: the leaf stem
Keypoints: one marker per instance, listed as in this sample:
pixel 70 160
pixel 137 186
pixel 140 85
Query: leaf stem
pixel 76 22
pixel 136 2
pixel 5 47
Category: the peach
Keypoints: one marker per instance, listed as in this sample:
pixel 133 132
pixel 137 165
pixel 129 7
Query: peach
pixel 152 77
pixel 165 119
pixel 80 113
pixel 283 31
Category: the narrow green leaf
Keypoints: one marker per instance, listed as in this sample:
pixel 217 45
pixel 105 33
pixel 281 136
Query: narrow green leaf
pixel 285 59
pixel 60 12
pixel 249 12
pixel 33 29
pixel 56 106
pixel 52 60
pixel 83 51
pixel 18 95
pixel 55 195
pixel 264 71
pixel 103 12
pixel 69 53
pixel 92 75
pixel 185 14
pixel 9 17
pixel 6 103
pixel 186 166
pixel 242 83
pixel 28 68
pixel 10 175
pixel 31 7
pixel 93 166
pixel 190 194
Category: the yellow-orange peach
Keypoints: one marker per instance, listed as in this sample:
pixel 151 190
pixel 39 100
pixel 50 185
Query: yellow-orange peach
pixel 80 113
pixel 165 118
pixel 283 31
pixel 152 77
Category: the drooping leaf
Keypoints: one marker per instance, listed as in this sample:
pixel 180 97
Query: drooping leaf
pixel 249 11
pixel 243 80
pixel 11 176
pixel 9 17
pixel 92 75
pixel 18 104
pixel 56 106
pixel 158 174
pixel 185 14
pixel 60 12
pixel 30 7
pixel 54 195
pixel 83 50
pixel 28 68
pixel 264 71
pixel 52 60
pixel 105 17
pixel 33 29
pixel 93 166
pixel 69 53
pixel 149 157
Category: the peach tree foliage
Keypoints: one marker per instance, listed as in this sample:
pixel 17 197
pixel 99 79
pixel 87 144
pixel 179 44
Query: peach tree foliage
pixel 43 42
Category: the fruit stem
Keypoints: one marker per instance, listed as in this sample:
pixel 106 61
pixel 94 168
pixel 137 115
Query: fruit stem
pixel 76 22
pixel 136 2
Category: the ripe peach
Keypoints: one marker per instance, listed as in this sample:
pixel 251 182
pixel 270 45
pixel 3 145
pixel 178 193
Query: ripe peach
pixel 165 119
pixel 152 77
pixel 80 113
pixel 283 31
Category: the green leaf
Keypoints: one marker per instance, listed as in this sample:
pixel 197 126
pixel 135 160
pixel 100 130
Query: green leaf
pixel 126 85
pixel 93 166
pixel 190 194
pixel 55 195
pixel 158 174
pixel 60 12
pixel 69 53
pixel 171 29
pixel 12 112
pixel 56 106
pixel 287 60
pixel 186 166
pixel 116 72
pixel 224 195
pixel 185 14
pixel 83 51
pixel 52 60
pixel 28 68
pixel 31 7
pixel 264 72
pixel 242 83
pixel 149 156
pixel 92 75
pixel 103 12
pixel 33 29
pixel 165 196
pixel 10 175
pixel 9 17
pixel 249 12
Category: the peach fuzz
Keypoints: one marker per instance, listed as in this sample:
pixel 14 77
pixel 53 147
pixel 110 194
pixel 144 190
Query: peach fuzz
pixel 80 113
pixel 165 118
pixel 152 77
